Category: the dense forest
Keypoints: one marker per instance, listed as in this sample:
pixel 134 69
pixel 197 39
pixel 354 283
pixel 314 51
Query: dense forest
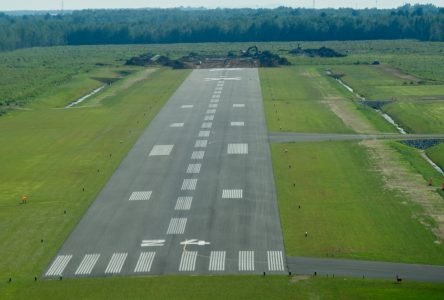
pixel 145 26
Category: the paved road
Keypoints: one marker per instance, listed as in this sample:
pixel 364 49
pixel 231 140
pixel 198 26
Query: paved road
pixel 368 269
pixel 195 195
pixel 289 137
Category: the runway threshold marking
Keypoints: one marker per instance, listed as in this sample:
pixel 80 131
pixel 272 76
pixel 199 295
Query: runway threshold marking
pixel 87 264
pixel 217 261
pixel 188 261
pixel 144 262
pixel 137 196
pixel 177 226
pixel 59 265
pixel 238 148
pixel 204 133
pixel 246 260
pixel 275 261
pixel 159 150
pixel 189 184
pixel 183 203
pixel 197 155
pixel 232 194
pixel 116 263
pixel 201 143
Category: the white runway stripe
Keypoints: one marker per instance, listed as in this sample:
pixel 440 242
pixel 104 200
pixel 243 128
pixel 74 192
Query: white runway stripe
pixel 215 96
pixel 207 124
pixel 232 194
pixel 211 111
pixel 189 184
pixel 217 261
pixel 197 155
pixel 201 143
pixel 188 261
pixel 193 168
pixel 87 264
pixel 161 150
pixel 214 101
pixel 58 265
pixel 209 118
pixel 212 105
pixel 204 133
pixel 217 92
pixel 177 226
pixel 238 105
pixel 187 106
pixel 237 149
pixel 116 263
pixel 246 260
pixel 237 124
pixel 145 262
pixel 275 261
pixel 176 125
pixel 183 203
pixel 145 195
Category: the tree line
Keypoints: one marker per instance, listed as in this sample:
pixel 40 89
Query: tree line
pixel 145 26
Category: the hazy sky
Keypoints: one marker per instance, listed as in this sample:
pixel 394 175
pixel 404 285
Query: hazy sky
pixel 80 4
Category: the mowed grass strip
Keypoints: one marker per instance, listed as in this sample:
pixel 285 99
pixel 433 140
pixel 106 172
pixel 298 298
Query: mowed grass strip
pixel 418 116
pixel 344 207
pixel 52 155
pixel 436 153
pixel 293 100
pixel 225 287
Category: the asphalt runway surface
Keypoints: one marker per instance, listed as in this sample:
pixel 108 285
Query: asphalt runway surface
pixel 195 195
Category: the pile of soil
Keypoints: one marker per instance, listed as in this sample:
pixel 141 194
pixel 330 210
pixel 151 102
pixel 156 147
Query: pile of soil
pixel 321 52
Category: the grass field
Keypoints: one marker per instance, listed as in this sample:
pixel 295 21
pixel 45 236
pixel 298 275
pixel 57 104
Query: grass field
pixel 437 155
pixel 224 287
pixel 345 208
pixel 50 155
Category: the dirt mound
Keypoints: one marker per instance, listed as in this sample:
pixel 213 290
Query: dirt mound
pixel 321 52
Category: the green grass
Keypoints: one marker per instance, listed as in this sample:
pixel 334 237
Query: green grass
pixel 223 287
pixel 344 207
pixel 50 155
pixel 293 101
pixel 436 153
pixel 418 116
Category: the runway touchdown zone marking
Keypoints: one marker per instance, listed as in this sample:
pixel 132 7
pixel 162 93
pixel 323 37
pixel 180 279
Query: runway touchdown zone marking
pixel 275 261
pixel 137 196
pixel 159 150
pixel 232 194
pixel 87 264
pixel 116 263
pixel 177 226
pixel 217 261
pixel 145 262
pixel 246 260
pixel 237 149
pixel 58 265
pixel 188 261
pixel 183 203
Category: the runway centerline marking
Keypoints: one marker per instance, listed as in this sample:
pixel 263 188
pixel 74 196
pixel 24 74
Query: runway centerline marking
pixel 183 203
pixel 239 148
pixel 152 243
pixel 197 155
pixel 189 184
pixel 212 106
pixel 175 125
pixel 145 262
pixel 161 150
pixel 177 226
pixel 232 194
pixel 137 196
pixel 206 125
pixel 214 101
pixel 187 106
pixel 239 124
pixel 238 105
pixel 211 111
pixel 87 264
pixel 209 118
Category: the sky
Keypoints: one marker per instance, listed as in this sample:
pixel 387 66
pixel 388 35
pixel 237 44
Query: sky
pixel 83 4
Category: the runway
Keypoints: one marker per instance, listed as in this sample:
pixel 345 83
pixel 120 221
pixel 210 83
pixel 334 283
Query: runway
pixel 195 195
